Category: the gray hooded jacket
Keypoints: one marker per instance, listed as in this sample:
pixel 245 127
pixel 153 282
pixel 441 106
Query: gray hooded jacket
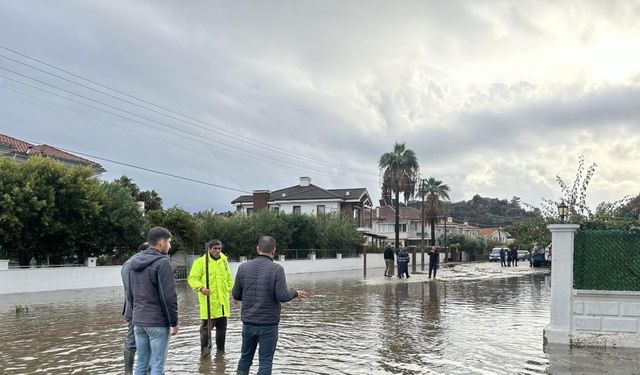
pixel 152 290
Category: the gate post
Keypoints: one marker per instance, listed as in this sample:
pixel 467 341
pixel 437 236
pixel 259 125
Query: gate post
pixel 562 240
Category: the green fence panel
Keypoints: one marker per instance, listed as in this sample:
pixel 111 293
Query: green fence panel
pixel 607 260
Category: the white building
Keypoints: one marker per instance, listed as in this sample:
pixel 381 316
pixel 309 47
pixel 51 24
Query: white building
pixel 306 198
pixel 411 226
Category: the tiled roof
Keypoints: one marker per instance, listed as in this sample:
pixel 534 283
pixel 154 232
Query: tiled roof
pixel 406 213
pixel 44 150
pixel 53 152
pixel 16 144
pixel 301 193
pixel 487 231
pixel 353 193
pixel 243 199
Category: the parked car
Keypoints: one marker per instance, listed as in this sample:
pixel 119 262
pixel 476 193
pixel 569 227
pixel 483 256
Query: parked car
pixel 494 256
pixel 523 255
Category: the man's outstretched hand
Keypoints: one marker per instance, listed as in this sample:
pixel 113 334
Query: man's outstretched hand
pixel 303 294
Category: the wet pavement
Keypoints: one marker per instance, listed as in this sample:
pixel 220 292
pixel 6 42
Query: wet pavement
pixel 478 319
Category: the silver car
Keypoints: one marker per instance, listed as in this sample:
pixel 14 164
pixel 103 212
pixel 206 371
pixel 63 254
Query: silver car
pixel 494 256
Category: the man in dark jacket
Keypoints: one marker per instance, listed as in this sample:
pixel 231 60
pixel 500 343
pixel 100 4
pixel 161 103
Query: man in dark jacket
pixel 503 255
pixel 152 293
pixel 403 263
pixel 127 311
pixel 434 260
pixel 262 287
pixel 514 257
pixel 389 258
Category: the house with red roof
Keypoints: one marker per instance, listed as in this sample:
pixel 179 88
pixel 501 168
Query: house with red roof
pixel 411 226
pixel 497 234
pixel 20 151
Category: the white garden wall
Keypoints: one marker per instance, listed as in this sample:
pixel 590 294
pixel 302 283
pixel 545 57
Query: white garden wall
pixel 64 278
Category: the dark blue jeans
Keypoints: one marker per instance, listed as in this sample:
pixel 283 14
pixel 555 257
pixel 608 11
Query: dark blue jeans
pixel 252 336
pixel 433 267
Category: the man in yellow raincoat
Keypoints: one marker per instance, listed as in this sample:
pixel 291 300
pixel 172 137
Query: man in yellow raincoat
pixel 219 290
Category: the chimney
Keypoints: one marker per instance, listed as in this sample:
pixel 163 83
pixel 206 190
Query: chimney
pixel 260 200
pixel 305 181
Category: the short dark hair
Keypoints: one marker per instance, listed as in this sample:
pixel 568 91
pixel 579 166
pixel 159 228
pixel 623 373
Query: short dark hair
pixel 143 246
pixel 266 244
pixel 213 243
pixel 156 234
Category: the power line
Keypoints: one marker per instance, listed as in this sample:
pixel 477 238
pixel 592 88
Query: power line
pixel 148 169
pixel 217 143
pixel 172 144
pixel 219 131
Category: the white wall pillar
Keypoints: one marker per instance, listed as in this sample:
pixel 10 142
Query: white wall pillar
pixel 562 236
pixel 91 262
pixel 4 264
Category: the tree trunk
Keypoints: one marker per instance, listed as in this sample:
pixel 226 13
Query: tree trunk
pixel 397 219
pixel 433 231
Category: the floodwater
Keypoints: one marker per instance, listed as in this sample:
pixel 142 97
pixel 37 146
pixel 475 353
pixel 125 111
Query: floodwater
pixel 476 320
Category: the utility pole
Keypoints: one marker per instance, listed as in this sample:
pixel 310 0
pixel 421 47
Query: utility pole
pixel 422 183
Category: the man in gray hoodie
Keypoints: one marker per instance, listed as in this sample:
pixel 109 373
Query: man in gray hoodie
pixel 262 287
pixel 152 293
pixel 127 311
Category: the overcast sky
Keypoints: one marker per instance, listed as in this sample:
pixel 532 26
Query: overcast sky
pixel 496 98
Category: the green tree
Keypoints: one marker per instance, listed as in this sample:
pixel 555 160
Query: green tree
pixel 531 232
pixel 399 174
pixel 129 184
pixel 339 232
pixel 48 211
pixel 574 196
pixel 436 192
pixel 120 222
pixel 182 226
pixel 151 199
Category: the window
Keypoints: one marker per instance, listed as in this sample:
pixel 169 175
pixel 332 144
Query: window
pixel 391 228
pixel 249 211
pixel 297 210
pixel 321 209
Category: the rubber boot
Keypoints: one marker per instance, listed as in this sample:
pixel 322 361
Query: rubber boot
pixel 129 356
pixel 204 342
pixel 220 339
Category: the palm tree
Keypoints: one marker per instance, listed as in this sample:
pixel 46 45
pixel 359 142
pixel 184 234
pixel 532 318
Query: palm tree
pixel 399 174
pixel 152 200
pixel 435 192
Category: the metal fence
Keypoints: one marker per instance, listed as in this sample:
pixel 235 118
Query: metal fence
pixel 607 260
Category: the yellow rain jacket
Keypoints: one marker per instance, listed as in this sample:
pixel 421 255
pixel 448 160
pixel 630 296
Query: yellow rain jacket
pixel 220 285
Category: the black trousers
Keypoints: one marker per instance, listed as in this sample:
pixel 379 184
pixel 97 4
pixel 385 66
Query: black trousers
pixel 220 325
pixel 433 267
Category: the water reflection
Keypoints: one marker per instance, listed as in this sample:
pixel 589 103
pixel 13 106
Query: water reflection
pixel 348 327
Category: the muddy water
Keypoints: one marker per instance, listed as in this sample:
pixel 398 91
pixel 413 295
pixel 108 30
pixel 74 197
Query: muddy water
pixel 351 326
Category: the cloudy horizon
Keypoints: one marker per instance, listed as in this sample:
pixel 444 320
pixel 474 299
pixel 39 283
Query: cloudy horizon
pixel 496 98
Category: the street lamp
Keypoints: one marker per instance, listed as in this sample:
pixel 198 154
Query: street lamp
pixel 563 211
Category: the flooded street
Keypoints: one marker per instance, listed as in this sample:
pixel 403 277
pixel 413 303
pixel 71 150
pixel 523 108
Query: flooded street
pixel 473 321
